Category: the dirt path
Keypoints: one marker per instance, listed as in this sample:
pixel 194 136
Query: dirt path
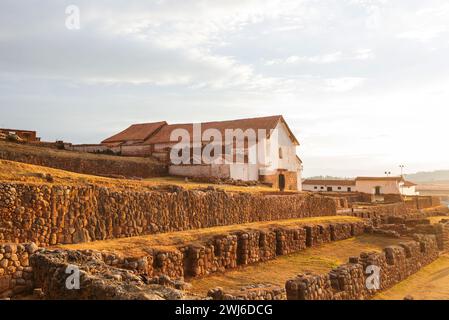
pixel 317 260
pixel 430 283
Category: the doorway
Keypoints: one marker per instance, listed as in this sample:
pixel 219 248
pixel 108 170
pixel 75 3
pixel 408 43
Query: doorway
pixel 281 182
pixel 377 191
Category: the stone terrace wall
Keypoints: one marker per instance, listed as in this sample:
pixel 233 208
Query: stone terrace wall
pixel 422 202
pixel 50 215
pixel 15 271
pixel 83 163
pixel 217 254
pixel 250 293
pixel 240 248
pixel 98 280
pixel 348 281
pixel 396 209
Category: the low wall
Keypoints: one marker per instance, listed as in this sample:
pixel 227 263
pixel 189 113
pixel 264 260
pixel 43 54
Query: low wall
pixel 220 171
pixel 53 214
pixel 250 293
pixel 252 246
pixel 83 162
pixel 422 202
pixel 348 281
pixel 370 211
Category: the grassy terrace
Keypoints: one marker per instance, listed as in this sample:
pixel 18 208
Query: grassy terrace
pixel 27 173
pixel 135 246
pixel 317 260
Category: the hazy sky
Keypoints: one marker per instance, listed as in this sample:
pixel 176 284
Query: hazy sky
pixel 364 84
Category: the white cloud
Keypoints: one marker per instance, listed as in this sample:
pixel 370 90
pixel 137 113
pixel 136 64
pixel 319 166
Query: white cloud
pixel 343 84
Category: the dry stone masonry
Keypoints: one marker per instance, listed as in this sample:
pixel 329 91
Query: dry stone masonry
pixel 254 292
pixel 50 215
pixel 15 270
pixel 348 281
pixel 102 165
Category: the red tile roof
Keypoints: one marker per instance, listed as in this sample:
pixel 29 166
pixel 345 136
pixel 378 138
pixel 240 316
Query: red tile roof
pixel 136 132
pixel 267 123
pixel 329 182
pixel 409 184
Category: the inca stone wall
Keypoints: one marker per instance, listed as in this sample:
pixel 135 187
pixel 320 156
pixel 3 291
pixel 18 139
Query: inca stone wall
pixel 239 248
pixel 49 215
pixel 348 281
pixel 98 280
pixel 217 254
pixel 102 165
pixel 249 293
pixel 15 271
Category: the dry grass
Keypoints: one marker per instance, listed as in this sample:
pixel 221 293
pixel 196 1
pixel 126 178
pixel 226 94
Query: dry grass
pixel 135 246
pixel 28 173
pixel 49 152
pixel 437 219
pixel 317 260
pixel 430 283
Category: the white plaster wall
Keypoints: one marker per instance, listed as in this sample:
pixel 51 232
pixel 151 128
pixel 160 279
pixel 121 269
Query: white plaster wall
pixel 244 172
pixel 409 191
pixel 310 187
pixel 216 171
pixel 368 186
pixel 280 139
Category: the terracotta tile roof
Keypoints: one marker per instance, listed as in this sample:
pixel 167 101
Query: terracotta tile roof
pixel 398 179
pixel 136 132
pixel 267 123
pixel 317 182
pixel 409 184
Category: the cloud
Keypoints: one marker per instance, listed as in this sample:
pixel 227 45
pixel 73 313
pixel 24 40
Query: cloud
pixel 349 76
pixel 338 56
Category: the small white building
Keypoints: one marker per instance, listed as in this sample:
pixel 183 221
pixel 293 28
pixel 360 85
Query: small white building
pixel 382 185
pixel 408 188
pixel 376 186
pixel 328 185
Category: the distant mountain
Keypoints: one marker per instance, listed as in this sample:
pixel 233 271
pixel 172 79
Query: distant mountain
pixel 429 177
pixel 327 178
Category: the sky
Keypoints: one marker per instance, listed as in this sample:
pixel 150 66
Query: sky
pixel 363 84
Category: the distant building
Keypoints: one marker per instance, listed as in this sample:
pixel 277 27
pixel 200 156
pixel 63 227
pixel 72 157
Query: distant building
pixel 329 185
pixel 23 135
pixel 376 186
pixel 278 166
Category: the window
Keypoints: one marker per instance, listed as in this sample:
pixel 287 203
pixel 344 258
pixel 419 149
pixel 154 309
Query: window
pixel 322 187
pixel 281 156
pixel 315 188
pixel 349 189
pixel 339 188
